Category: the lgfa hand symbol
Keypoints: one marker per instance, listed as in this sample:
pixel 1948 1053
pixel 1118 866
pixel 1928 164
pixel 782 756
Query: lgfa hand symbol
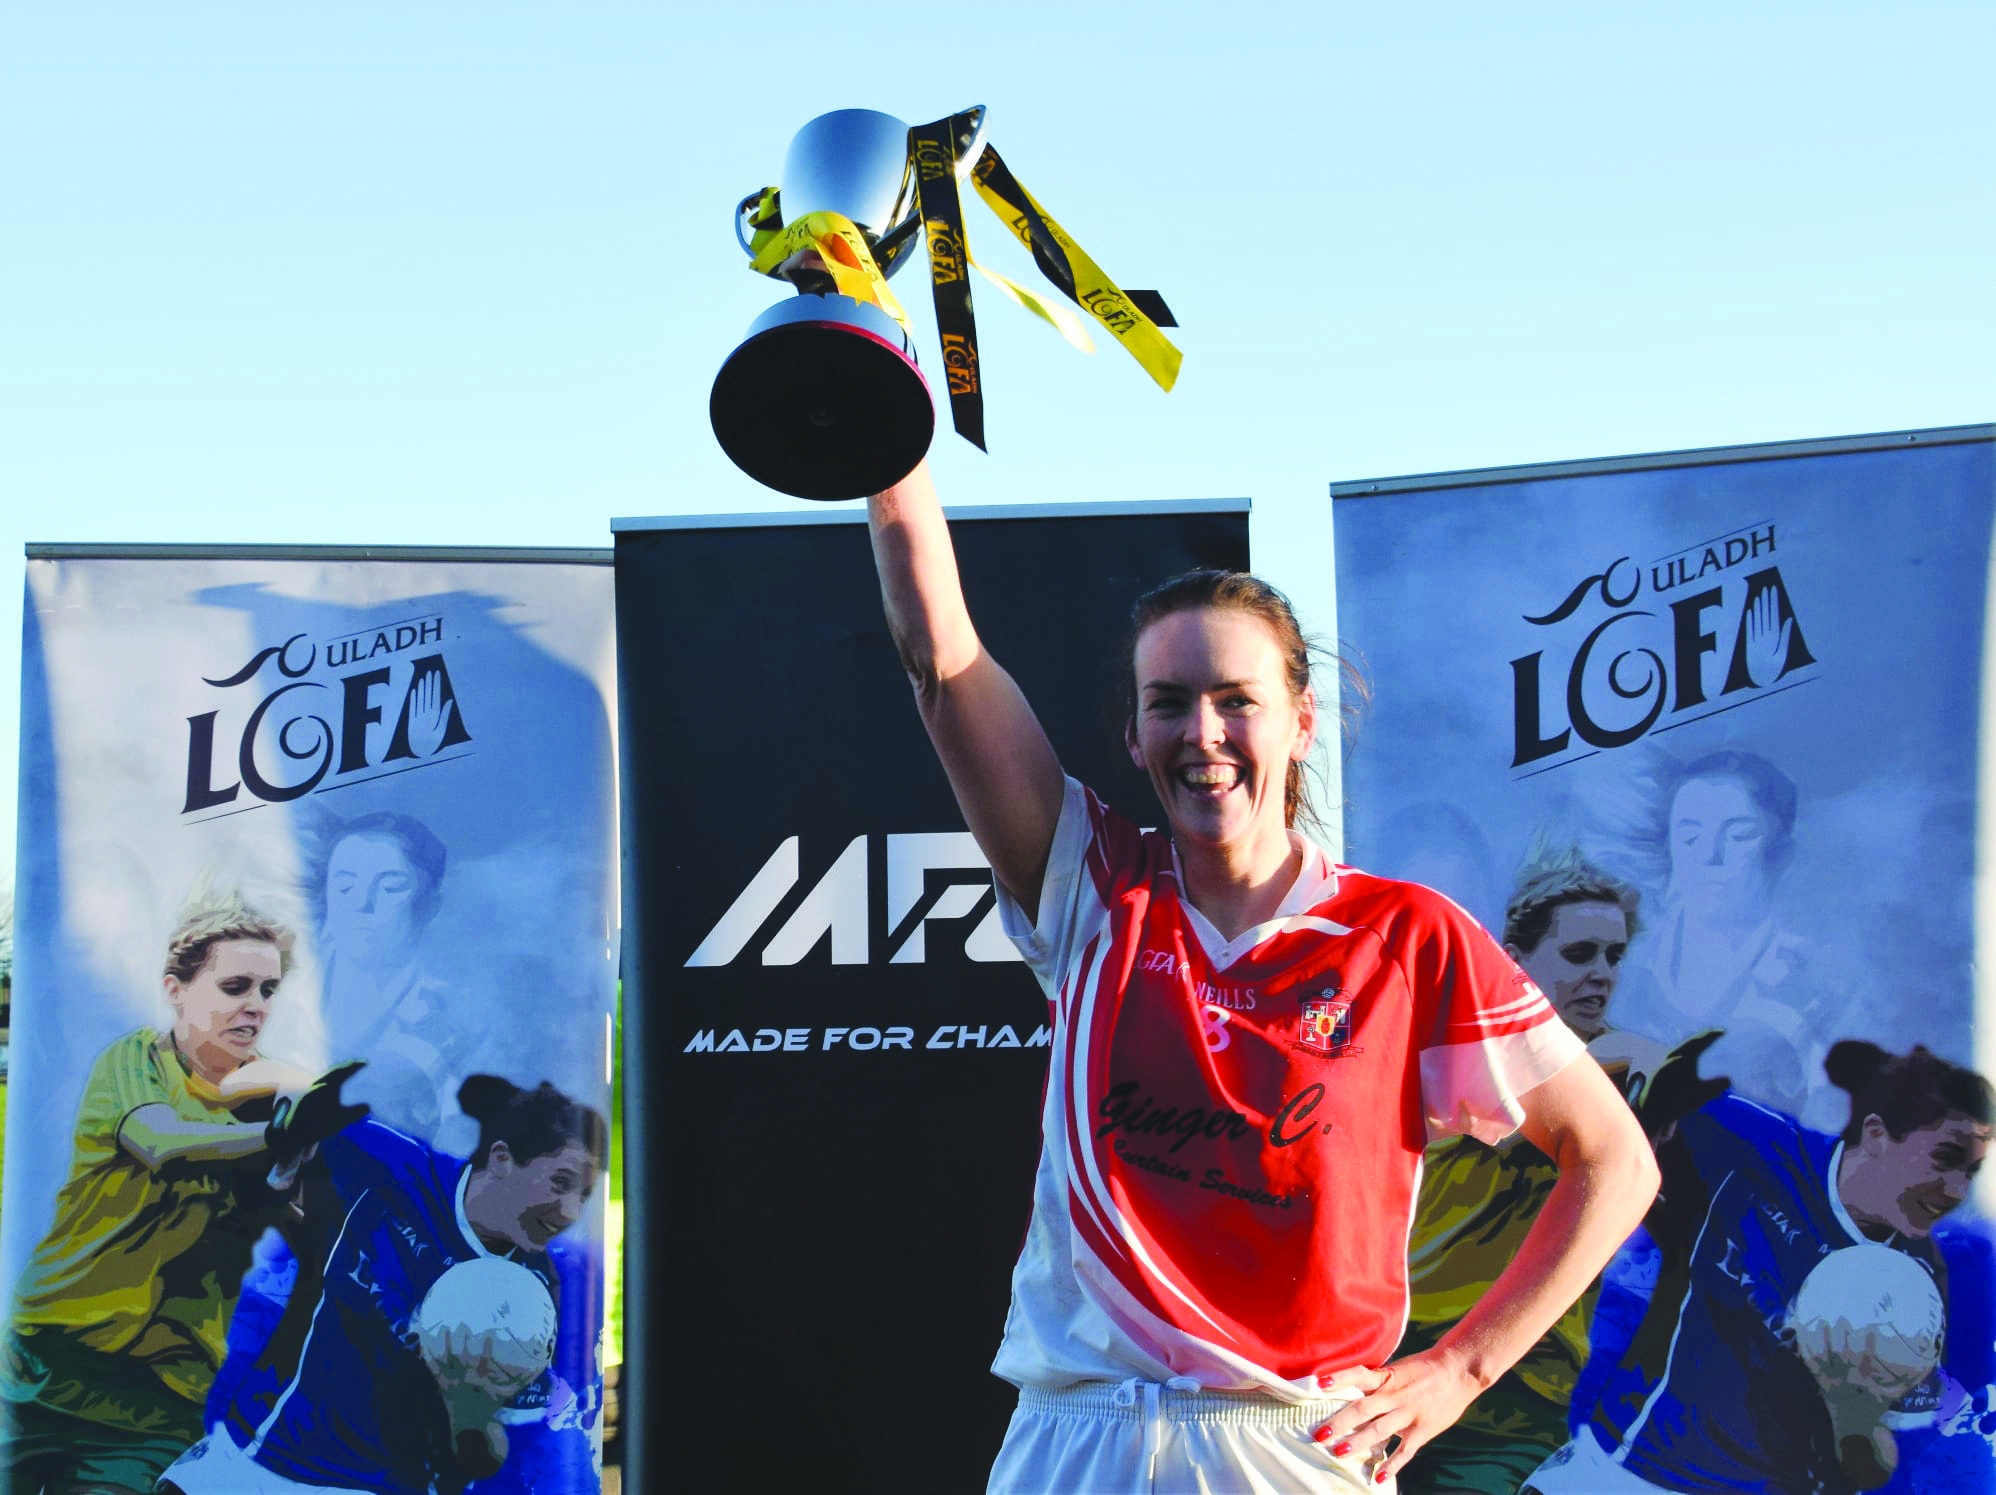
pixel 429 713
pixel 1767 637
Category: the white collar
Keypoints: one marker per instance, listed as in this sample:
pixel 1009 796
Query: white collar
pixel 1842 1214
pixel 464 1221
pixel 1316 880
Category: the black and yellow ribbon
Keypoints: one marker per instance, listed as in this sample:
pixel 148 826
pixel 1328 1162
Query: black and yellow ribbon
pixel 935 150
pixel 1134 318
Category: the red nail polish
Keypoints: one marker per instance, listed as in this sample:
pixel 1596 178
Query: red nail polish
pixel 1321 1435
pixel 1341 1449
pixel 1379 1478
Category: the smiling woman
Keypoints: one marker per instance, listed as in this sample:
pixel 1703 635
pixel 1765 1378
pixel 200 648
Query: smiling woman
pixel 1188 629
pixel 1251 1045
pixel 364 1405
pixel 1734 1380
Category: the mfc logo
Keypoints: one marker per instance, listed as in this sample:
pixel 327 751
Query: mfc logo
pixel 840 904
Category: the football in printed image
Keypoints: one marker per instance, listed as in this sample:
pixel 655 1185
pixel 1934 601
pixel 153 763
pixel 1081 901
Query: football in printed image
pixel 1869 1317
pixel 489 1321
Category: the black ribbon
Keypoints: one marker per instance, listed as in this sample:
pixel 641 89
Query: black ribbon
pixel 934 148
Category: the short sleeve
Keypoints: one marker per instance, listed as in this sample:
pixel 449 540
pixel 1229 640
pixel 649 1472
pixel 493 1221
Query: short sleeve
pixel 1042 937
pixel 1491 1034
pixel 123 1078
pixel 1096 854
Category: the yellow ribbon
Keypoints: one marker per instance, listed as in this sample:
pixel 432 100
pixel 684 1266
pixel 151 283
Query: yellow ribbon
pixel 1066 321
pixel 1094 291
pixel 840 245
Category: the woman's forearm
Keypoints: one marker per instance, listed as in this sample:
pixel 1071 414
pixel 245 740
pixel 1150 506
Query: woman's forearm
pixel 1607 1178
pixel 156 1134
pixel 919 585
pixel 262 1077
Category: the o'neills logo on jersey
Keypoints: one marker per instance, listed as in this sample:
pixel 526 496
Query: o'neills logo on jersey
pixel 1212 993
pixel 1324 1027
pixel 309 715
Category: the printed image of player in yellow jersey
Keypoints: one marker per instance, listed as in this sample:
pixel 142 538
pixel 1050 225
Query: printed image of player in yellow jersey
pixel 1568 925
pixel 120 1318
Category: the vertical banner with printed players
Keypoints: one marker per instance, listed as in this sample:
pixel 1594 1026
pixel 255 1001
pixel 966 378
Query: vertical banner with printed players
pixel 283 811
pixel 834 1059
pixel 1726 705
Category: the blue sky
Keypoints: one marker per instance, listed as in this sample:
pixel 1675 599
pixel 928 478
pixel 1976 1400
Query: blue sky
pixel 461 274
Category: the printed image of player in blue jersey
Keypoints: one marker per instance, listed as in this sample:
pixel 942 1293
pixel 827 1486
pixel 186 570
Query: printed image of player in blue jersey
pixel 1754 1369
pixel 394 1390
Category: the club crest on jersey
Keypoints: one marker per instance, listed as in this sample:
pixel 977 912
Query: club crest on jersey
pixel 1323 1026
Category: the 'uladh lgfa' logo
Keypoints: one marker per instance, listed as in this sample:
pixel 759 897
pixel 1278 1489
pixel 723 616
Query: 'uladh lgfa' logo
pixel 290 725
pixel 1722 632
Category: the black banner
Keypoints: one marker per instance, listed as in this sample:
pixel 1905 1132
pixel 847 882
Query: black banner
pixel 834 1062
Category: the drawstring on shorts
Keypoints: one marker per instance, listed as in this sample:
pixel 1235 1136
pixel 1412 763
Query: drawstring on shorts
pixel 1125 1395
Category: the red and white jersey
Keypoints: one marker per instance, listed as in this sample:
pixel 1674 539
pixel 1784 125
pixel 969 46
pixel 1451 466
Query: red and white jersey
pixel 1233 1129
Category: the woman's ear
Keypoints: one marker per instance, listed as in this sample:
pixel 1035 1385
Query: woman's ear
pixel 1874 1136
pixel 1306 725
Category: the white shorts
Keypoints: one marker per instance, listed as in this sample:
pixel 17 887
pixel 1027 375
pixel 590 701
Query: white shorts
pixel 1584 1467
pixel 215 1466
pixel 1140 1438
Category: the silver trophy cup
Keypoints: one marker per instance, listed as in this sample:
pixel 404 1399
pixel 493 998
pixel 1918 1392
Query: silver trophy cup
pixel 823 399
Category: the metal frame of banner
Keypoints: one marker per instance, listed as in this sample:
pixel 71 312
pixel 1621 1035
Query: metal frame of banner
pixel 1649 461
pixel 1094 509
pixel 539 554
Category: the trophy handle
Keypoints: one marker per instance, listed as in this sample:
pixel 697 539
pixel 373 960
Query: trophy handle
pixel 891 244
pixel 741 220
pixel 970 140
pixel 888 250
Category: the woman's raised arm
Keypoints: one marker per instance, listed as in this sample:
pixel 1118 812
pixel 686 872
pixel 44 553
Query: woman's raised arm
pixel 1003 769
